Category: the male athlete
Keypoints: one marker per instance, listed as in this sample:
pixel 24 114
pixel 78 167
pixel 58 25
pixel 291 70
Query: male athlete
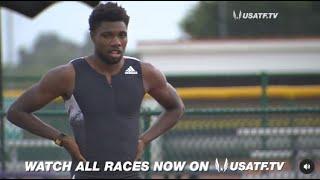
pixel 103 94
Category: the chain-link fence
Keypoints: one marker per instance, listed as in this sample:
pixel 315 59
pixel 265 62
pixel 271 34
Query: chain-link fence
pixel 271 129
pixel 22 146
pixel 288 135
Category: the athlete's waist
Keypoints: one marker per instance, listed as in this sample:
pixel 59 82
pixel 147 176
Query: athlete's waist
pixel 106 175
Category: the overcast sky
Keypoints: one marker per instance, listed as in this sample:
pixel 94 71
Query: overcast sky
pixel 148 21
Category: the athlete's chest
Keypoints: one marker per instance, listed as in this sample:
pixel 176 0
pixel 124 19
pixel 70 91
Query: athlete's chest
pixel 123 93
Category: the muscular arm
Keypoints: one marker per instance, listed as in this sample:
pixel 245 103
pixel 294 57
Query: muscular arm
pixel 158 87
pixel 57 82
pixel 54 84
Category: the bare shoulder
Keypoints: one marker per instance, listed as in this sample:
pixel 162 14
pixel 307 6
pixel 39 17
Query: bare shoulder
pixel 148 68
pixel 152 76
pixel 65 71
pixel 59 79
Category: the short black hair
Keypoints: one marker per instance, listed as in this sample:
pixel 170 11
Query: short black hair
pixel 107 12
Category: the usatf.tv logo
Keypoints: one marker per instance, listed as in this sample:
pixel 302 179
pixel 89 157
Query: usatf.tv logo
pixel 250 15
pixel 248 166
pixel 221 168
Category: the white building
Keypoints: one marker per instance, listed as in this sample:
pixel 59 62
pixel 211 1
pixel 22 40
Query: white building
pixel 233 56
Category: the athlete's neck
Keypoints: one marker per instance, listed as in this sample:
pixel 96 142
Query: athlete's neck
pixel 110 69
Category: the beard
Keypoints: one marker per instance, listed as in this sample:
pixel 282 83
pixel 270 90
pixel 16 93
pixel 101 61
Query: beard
pixel 108 59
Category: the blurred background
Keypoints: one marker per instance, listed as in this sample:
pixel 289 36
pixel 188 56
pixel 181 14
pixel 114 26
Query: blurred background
pixel 251 86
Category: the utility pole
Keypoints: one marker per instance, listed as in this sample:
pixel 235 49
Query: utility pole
pixel 222 12
pixel 9 34
pixel 2 152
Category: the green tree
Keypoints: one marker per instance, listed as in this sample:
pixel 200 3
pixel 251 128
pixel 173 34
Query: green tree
pixel 215 19
pixel 48 51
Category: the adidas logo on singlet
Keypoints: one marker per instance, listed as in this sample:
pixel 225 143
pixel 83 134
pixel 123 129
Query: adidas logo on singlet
pixel 130 70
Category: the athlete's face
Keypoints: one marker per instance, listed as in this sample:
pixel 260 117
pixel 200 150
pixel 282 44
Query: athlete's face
pixel 110 41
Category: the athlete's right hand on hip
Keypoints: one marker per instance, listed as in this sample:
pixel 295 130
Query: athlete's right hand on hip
pixel 72 147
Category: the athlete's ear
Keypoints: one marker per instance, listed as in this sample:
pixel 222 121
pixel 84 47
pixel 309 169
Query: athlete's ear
pixel 92 33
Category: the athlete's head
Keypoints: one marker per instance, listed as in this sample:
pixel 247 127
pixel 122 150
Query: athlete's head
pixel 108 30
